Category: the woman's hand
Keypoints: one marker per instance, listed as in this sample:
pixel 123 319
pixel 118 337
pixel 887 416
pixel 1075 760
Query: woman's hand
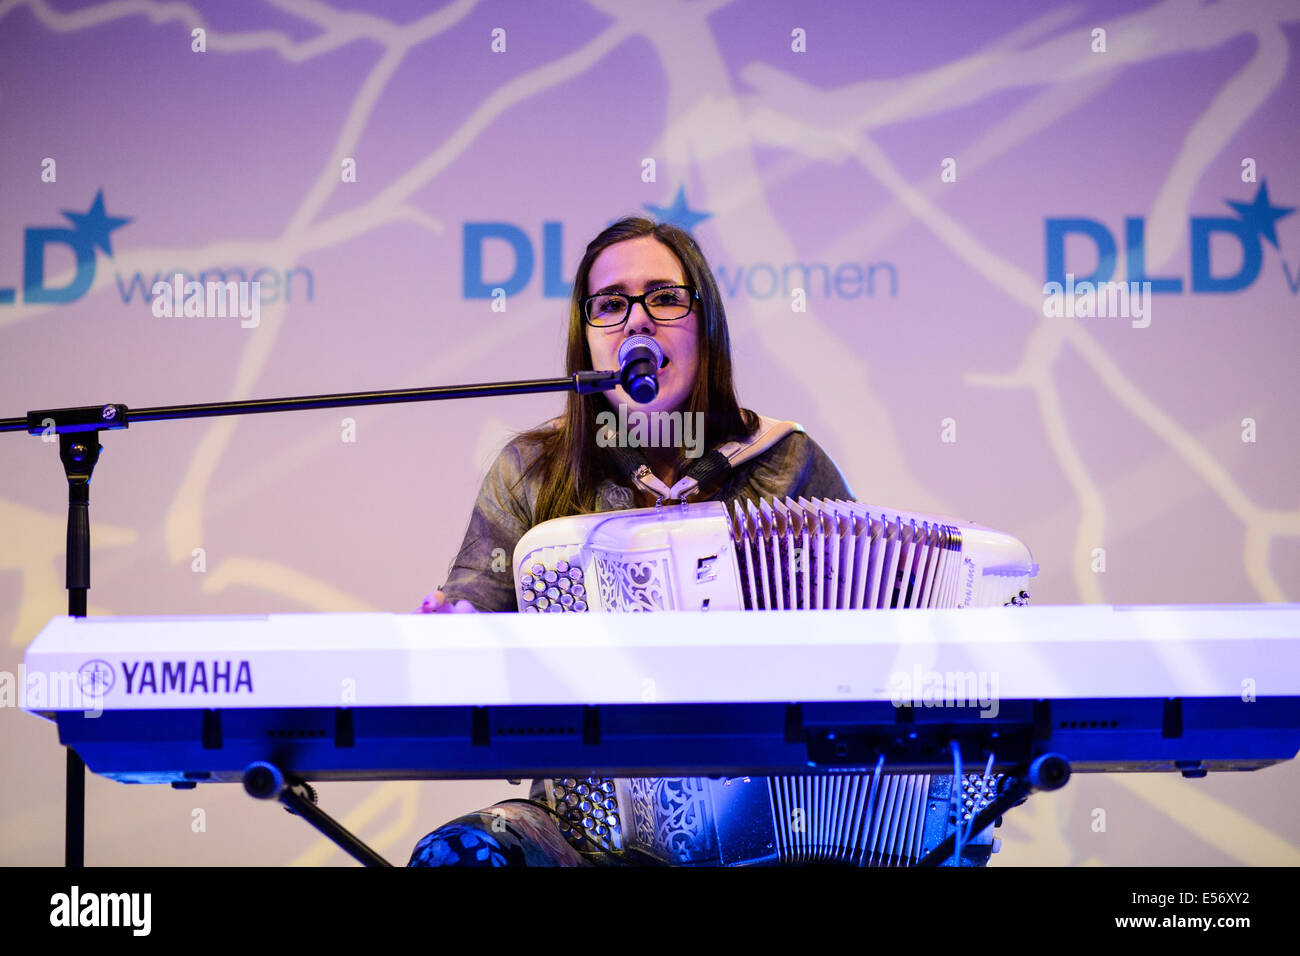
pixel 437 603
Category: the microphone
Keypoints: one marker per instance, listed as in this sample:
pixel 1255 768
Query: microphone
pixel 639 358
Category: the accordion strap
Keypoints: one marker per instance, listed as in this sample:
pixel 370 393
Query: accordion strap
pixel 710 465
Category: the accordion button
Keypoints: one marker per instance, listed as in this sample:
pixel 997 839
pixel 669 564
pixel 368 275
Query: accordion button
pixel 583 789
pixel 572 799
pixel 551 577
pixel 537 569
pixel 542 604
pixel 561 566
pixel 575 574
pixel 553 594
pixel 585 806
pixel 612 820
pixel 570 781
pixel 564 584
pixel 580 605
pixel 566 600
pixel 598 813
pixel 529 597
pixel 555 609
pixel 578 590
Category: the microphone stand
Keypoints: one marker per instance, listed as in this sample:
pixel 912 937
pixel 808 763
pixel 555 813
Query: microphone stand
pixel 78 430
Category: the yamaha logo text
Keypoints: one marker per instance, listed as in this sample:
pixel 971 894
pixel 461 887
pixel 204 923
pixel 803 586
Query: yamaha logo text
pixel 187 677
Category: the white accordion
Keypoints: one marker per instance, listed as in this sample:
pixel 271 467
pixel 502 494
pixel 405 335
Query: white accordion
pixel 770 555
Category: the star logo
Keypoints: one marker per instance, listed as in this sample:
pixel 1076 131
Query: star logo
pixel 679 214
pixel 1261 215
pixel 95 224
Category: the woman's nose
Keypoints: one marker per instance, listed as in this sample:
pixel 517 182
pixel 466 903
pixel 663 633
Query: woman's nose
pixel 639 322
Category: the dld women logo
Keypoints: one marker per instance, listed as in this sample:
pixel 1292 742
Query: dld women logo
pixel 1254 220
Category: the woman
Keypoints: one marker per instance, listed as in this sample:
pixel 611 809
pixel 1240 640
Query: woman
pixel 636 278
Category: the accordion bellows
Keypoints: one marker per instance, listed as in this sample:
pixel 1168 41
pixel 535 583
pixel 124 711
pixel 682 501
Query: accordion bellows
pixel 777 555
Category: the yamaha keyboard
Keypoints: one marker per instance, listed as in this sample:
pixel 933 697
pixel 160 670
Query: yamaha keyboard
pixel 183 700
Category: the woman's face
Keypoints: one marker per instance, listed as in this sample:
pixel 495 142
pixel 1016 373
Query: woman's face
pixel 635 266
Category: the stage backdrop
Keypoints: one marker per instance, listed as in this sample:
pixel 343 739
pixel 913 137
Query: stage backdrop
pixel 884 191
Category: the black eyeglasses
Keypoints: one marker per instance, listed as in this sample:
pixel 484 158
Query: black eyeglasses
pixel 665 304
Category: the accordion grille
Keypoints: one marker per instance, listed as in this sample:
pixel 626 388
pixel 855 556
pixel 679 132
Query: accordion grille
pixel 854 819
pixel 823 555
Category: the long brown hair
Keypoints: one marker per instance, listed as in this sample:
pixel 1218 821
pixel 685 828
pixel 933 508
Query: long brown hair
pixel 571 464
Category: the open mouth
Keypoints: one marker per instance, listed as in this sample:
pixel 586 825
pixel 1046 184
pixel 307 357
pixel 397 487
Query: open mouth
pixel 664 363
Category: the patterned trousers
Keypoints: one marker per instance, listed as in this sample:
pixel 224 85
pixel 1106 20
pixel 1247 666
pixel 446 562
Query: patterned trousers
pixel 507 834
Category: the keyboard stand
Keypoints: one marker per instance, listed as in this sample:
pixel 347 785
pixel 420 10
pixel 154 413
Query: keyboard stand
pixel 266 781
pixel 1048 772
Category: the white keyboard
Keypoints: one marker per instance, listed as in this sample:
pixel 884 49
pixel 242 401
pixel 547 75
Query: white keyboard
pixel 376 660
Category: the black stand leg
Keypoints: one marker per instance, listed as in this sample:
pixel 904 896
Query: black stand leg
pixel 267 782
pixel 79 451
pixel 74 820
